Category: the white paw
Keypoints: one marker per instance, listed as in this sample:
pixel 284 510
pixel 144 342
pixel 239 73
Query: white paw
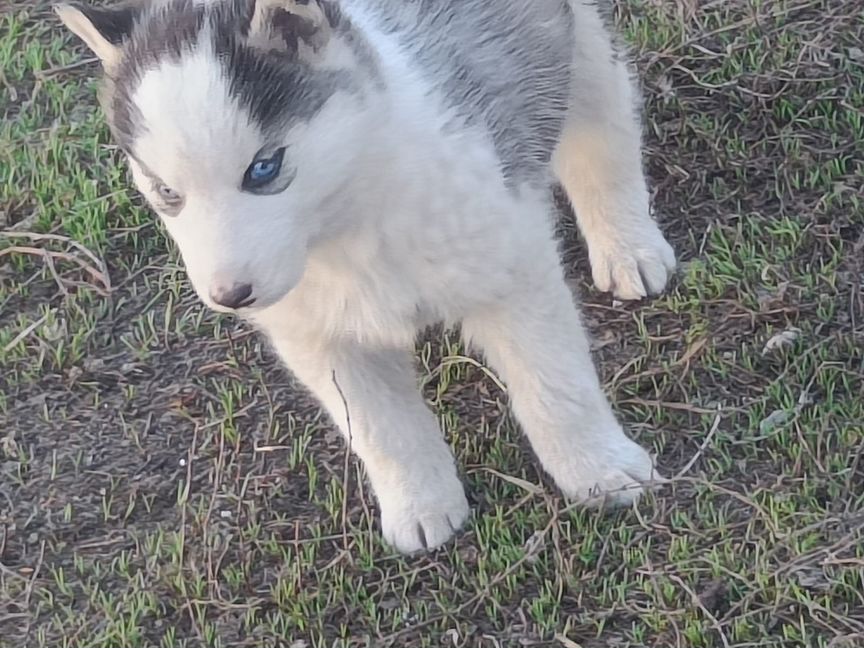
pixel 632 266
pixel 420 519
pixel 614 473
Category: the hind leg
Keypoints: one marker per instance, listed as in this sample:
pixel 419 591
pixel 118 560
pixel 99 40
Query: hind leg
pixel 599 163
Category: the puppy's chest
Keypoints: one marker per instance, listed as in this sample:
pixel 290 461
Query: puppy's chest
pixel 372 303
pixel 424 245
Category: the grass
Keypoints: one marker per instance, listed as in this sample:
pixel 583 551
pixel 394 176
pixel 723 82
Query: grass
pixel 164 484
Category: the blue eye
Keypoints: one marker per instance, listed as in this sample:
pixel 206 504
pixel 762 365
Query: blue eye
pixel 263 171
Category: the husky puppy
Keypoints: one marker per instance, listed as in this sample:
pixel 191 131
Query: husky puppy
pixel 342 173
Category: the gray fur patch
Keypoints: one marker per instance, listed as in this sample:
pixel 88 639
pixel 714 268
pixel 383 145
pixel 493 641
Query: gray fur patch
pixel 503 65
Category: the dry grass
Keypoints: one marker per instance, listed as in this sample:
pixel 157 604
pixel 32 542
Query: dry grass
pixel 162 482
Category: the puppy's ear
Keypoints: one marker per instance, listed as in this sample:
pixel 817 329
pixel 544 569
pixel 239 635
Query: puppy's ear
pixel 292 26
pixel 103 29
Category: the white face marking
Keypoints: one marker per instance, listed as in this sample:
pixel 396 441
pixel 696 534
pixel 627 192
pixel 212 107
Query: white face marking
pixel 191 118
pixel 199 141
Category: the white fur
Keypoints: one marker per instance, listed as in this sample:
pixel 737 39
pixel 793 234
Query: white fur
pixel 422 228
pixel 599 164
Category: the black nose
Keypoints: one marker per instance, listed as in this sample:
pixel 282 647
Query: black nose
pixel 235 297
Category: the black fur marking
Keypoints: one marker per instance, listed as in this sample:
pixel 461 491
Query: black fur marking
pixel 165 34
pixel 275 86
pixel 292 29
pixel 115 24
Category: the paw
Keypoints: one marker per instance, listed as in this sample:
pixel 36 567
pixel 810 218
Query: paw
pixel 421 519
pixel 633 266
pixel 615 474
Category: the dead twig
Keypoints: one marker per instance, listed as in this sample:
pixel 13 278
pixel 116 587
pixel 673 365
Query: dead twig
pixel 714 427
pixel 50 255
pixel 60 69
pixel 347 463
pixel 23 334
pixel 101 271
pixel 698 602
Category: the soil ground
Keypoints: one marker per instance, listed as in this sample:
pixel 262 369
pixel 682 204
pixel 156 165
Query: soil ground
pixel 164 483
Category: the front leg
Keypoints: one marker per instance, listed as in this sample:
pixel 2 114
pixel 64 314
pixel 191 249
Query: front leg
pixel 599 164
pixel 536 343
pixel 409 465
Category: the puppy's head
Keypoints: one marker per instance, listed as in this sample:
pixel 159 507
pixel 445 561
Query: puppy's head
pixel 240 119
